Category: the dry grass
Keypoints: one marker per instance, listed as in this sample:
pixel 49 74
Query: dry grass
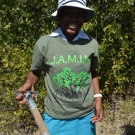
pixel 120 120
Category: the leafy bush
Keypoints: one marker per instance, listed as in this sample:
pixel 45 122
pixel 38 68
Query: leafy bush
pixel 23 22
pixel 114 28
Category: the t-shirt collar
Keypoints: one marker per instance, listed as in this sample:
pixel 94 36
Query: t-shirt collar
pixel 58 32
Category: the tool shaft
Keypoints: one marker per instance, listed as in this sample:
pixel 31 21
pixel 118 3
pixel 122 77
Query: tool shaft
pixel 41 124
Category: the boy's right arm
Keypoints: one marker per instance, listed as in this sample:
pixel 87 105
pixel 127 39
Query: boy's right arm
pixel 32 78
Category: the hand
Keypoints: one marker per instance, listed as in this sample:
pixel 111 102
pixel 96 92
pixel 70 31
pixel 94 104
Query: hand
pixel 26 86
pixel 98 110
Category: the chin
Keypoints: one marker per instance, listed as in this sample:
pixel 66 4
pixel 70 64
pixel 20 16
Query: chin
pixel 72 32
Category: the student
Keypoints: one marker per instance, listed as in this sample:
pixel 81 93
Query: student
pixel 69 58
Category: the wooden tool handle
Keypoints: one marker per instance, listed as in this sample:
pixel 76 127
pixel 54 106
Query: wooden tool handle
pixel 41 124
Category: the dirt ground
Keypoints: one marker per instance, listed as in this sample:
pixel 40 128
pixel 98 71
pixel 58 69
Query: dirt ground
pixel 118 121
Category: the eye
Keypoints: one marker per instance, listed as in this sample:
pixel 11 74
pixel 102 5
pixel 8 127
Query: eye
pixel 80 15
pixel 67 13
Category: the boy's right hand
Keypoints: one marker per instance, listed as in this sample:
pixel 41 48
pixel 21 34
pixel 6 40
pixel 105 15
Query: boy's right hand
pixel 24 88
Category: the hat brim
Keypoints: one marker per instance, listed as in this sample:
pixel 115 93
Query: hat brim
pixel 89 13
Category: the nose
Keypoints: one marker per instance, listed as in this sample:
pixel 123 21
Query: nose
pixel 74 17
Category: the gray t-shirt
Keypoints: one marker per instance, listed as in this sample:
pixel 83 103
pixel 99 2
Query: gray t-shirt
pixel 68 78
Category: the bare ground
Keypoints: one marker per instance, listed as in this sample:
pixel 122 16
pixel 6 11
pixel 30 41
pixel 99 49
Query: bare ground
pixel 119 120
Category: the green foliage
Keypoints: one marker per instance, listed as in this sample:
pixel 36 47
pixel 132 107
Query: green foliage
pixel 22 22
pixel 114 28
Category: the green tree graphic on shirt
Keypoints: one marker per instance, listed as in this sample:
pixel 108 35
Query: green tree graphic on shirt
pixel 69 79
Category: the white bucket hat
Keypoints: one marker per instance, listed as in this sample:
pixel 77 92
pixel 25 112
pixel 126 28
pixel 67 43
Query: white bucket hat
pixel 74 3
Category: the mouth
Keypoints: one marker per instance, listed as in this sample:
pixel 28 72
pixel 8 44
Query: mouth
pixel 73 26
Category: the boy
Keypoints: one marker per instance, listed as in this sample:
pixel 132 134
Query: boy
pixel 70 58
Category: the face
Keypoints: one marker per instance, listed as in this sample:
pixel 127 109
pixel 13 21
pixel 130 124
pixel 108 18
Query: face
pixel 71 20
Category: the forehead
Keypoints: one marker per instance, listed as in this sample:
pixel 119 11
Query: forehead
pixel 71 9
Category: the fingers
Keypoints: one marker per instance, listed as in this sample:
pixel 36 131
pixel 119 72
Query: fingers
pixel 23 101
pixel 20 94
pixel 20 98
pixel 22 91
pixel 93 118
pixel 34 96
pixel 97 116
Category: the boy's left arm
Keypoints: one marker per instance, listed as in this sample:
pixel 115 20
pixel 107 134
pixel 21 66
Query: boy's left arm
pixel 98 101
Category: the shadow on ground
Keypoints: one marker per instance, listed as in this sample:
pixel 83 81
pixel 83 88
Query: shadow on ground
pixel 129 130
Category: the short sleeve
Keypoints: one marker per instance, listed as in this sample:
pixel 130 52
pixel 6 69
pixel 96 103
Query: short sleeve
pixel 95 56
pixel 37 59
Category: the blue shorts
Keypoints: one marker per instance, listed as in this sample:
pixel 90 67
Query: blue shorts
pixel 77 126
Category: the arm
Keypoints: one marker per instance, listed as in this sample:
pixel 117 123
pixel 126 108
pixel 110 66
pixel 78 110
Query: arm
pixel 33 76
pixel 31 80
pixel 98 101
pixel 95 82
